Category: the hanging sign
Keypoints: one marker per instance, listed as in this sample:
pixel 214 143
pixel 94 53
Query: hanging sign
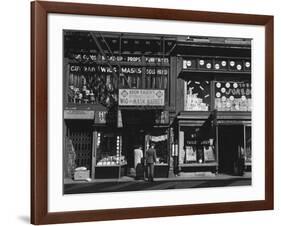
pixel 79 114
pixel 141 97
pixel 159 138
pixel 100 117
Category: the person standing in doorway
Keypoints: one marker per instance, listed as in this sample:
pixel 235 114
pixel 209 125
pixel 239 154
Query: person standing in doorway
pixel 138 154
pixel 150 157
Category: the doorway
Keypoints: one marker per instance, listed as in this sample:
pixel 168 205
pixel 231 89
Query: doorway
pixel 231 141
pixel 132 138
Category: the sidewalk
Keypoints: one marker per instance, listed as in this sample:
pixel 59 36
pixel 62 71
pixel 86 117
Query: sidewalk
pixel 182 177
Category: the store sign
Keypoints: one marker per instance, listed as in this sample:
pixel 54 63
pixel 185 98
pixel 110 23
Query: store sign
pixel 156 71
pixel 79 114
pixel 159 138
pixel 100 117
pixel 89 57
pixel 85 68
pixel 124 70
pixel 141 97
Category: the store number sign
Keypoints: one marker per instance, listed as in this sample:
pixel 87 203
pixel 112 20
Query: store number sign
pixel 141 97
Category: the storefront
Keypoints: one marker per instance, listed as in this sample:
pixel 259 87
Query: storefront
pixel 214 130
pixel 122 95
pixel 123 91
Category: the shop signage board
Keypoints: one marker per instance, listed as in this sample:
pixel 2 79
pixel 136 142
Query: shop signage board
pixel 141 97
pixel 100 117
pixel 79 114
pixel 90 58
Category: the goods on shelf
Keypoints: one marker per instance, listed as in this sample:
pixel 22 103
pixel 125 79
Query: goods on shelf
pixel 233 96
pixel 113 160
pixel 190 154
pixel 236 104
pixel 194 103
pixel 209 154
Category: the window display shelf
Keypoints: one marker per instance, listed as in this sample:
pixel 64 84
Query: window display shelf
pixel 124 164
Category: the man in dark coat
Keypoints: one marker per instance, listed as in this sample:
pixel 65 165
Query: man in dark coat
pixel 150 157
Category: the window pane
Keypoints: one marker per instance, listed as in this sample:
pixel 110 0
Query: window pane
pixel 197 95
pixel 233 95
pixel 109 149
pixel 198 146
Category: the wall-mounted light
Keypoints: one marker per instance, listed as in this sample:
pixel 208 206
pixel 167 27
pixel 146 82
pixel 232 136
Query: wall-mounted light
pixel 201 62
pixel 188 63
pixel 223 63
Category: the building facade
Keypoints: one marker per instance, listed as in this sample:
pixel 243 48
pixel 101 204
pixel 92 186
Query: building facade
pixel 190 96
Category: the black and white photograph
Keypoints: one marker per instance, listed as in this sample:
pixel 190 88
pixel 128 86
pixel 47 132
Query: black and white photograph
pixel 145 111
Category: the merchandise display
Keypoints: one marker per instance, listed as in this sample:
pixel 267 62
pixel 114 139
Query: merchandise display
pixel 197 96
pixel 109 150
pixel 112 161
pixel 198 146
pixel 233 96
pixel 92 81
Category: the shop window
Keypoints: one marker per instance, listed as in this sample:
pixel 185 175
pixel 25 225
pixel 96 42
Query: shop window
pixel 233 95
pixel 197 145
pixel 109 149
pixel 248 154
pixel 197 95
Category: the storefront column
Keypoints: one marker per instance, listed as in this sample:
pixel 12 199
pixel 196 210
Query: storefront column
pixel 94 147
pixel 181 147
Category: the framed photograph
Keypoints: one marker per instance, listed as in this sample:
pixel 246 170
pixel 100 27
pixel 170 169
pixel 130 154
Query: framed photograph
pixel 148 112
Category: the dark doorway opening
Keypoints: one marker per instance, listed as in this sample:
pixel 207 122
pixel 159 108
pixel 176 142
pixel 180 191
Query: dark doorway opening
pixel 231 139
pixel 132 138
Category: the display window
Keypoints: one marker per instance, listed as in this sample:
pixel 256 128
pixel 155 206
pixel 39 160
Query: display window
pixel 197 145
pixel 233 95
pixel 197 95
pixel 109 149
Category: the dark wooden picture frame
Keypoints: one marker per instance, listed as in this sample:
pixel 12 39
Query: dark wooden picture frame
pixel 39 109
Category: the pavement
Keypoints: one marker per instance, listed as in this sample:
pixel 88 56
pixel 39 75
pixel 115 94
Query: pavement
pixel 180 182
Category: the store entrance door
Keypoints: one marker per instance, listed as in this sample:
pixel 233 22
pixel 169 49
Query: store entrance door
pixel 132 138
pixel 231 138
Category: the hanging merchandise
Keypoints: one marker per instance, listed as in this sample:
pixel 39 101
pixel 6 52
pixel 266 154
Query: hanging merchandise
pixel 190 154
pixel 209 154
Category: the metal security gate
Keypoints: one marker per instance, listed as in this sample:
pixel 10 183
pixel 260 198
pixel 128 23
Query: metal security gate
pixel 81 137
